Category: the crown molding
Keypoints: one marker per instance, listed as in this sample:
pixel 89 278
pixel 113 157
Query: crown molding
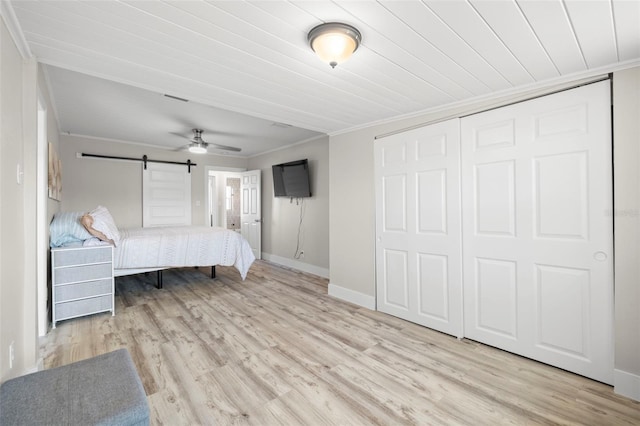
pixel 550 85
pixel 13 26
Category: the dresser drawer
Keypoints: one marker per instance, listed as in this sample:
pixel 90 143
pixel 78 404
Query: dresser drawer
pixel 82 273
pixel 82 256
pixel 82 290
pixel 78 308
pixel 82 279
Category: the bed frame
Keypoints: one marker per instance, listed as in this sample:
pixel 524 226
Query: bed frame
pixel 123 272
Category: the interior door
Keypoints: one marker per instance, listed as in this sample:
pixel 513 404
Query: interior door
pixel 166 195
pixel 418 252
pixel 251 217
pixel 538 231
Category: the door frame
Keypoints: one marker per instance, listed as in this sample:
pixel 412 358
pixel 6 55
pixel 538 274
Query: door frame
pixel 217 172
pixel 42 227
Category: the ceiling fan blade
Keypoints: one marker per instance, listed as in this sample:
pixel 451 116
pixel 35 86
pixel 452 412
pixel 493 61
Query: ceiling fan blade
pixel 224 147
pixel 197 138
pixel 181 135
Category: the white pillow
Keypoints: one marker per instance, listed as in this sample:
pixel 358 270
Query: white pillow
pixel 103 222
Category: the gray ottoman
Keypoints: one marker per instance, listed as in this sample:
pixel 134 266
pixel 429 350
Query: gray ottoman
pixel 104 390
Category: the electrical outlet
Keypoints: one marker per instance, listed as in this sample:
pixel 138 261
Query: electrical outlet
pixel 19 174
pixel 11 355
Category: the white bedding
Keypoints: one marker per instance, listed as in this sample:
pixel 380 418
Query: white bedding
pixel 176 246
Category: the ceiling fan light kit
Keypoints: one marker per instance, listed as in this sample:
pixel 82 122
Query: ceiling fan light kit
pixel 197 148
pixel 334 42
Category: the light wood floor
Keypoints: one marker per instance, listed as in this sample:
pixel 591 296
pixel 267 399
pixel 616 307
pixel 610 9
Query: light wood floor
pixel 275 349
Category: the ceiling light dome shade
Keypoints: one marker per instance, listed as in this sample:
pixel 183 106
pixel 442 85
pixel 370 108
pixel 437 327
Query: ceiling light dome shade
pixel 334 42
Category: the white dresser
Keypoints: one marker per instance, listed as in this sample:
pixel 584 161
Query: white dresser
pixel 82 281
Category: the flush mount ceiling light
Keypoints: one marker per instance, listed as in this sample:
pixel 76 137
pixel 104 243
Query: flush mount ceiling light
pixel 334 42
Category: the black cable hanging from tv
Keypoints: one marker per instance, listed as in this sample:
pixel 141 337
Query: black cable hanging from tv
pixel 144 160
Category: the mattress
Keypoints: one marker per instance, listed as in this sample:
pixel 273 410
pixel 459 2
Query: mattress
pixel 178 246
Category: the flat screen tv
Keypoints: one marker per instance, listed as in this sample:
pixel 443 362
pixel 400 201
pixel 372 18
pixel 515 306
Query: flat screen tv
pixel 291 179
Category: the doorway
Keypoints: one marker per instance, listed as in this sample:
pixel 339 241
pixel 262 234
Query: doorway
pixel 233 201
pixel 223 198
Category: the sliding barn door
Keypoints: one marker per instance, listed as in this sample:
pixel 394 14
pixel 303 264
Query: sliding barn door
pixel 538 231
pixel 166 195
pixel 418 259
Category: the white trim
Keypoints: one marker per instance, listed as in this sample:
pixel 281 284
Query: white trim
pixel 225 169
pixel 550 86
pixel 295 264
pixel 13 26
pixel 280 148
pixel 48 89
pixel 352 296
pixel 626 384
pixel 33 369
pixel 42 227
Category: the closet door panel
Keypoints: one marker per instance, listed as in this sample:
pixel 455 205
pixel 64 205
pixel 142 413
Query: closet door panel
pixel 537 192
pixel 494 196
pixel 496 298
pixel 433 283
pixel 432 202
pixel 395 279
pixel 418 213
pixel 561 196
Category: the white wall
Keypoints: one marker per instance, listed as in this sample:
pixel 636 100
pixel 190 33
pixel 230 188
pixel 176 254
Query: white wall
pixel 117 185
pixel 280 217
pixel 626 155
pixel 352 242
pixel 18 83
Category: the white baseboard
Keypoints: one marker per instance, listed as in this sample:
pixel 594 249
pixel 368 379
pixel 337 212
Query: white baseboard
pixel 34 368
pixel 352 296
pixel 626 384
pixel 296 264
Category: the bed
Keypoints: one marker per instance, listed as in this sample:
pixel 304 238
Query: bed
pixel 149 249
pixel 141 250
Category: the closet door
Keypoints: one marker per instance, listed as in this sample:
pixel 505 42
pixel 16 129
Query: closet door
pixel 538 231
pixel 418 260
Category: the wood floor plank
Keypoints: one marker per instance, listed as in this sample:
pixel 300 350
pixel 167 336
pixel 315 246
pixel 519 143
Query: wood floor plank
pixel 276 349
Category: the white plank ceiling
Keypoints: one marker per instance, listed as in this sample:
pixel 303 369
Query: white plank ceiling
pixel 246 65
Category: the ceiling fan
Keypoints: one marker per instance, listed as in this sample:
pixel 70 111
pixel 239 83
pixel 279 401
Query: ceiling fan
pixel 199 146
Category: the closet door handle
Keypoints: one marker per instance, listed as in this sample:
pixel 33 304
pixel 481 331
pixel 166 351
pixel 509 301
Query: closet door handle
pixel 600 256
